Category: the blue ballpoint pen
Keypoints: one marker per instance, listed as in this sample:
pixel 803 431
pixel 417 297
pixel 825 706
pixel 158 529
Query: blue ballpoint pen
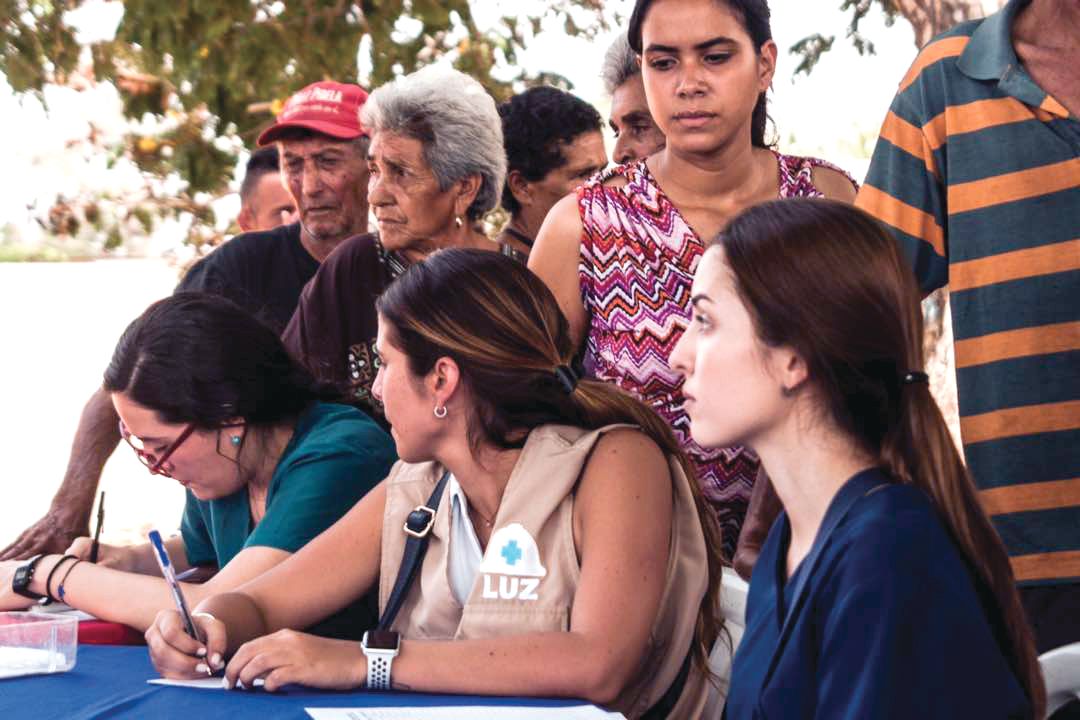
pixel 169 573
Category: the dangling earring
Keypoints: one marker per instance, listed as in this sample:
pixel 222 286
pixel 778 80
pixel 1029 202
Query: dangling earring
pixel 458 222
pixel 440 411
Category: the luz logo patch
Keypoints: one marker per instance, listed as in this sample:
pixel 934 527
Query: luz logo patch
pixel 513 556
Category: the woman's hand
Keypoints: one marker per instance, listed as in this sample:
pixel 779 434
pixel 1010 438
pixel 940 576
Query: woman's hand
pixel 176 654
pixel 9 599
pixel 111 556
pixel 291 657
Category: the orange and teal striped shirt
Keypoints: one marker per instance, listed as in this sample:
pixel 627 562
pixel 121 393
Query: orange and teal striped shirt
pixel 977 173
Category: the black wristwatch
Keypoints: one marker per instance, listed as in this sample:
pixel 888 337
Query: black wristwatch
pixel 23 575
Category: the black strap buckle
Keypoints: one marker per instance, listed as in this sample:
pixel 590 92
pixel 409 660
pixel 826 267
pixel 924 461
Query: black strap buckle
pixel 419 521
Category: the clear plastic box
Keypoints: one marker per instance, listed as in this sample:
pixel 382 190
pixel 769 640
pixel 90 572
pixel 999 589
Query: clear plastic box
pixel 33 643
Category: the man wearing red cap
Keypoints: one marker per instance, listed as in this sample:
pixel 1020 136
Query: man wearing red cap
pixel 323 150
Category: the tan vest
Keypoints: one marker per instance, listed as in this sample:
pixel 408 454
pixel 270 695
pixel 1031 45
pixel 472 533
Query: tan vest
pixel 530 570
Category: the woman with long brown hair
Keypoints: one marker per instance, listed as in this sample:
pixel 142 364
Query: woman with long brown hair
pixel 568 551
pixel 882 590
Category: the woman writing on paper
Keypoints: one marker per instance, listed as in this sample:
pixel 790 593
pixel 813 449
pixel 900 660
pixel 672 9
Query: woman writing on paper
pixel 568 551
pixel 208 396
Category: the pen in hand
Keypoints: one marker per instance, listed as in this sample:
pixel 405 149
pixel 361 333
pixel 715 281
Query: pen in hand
pixel 97 532
pixel 169 573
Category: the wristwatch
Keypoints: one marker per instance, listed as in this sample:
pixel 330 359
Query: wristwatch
pixel 380 648
pixel 23 575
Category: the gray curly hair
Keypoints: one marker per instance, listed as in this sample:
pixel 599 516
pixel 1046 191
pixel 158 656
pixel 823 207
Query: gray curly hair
pixel 620 64
pixel 455 121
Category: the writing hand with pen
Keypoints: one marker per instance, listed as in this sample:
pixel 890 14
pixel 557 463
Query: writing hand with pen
pixel 286 657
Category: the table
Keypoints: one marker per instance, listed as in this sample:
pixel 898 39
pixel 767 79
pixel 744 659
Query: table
pixel 110 682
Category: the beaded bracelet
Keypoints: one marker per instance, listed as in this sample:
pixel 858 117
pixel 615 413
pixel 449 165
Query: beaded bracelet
pixel 60 588
pixel 48 580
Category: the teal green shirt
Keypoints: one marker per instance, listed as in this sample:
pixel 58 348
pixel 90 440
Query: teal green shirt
pixel 336 455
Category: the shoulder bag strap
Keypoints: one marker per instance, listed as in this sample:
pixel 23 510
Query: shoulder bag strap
pixel 417 526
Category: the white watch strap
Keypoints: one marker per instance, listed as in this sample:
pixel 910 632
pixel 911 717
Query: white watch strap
pixel 378 668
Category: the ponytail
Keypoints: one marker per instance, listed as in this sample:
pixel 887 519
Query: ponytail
pixel 919 450
pixel 825 279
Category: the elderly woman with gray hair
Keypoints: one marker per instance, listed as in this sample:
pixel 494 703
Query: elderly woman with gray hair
pixel 437 165
pixel 636 134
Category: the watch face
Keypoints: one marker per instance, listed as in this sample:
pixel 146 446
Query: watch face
pixel 381 640
pixel 22 578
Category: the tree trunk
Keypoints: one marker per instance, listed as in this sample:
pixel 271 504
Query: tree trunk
pixel 932 17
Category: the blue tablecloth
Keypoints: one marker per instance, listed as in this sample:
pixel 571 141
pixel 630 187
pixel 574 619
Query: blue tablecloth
pixel 110 682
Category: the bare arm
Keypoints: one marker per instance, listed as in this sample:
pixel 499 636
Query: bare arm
pixel 554 259
pixel 622 530
pixel 623 510
pixel 324 576
pixel 834 185
pixel 134 599
pixel 69 515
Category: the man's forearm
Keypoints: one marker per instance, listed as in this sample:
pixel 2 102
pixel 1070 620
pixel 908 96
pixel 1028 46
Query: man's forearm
pixel 95 440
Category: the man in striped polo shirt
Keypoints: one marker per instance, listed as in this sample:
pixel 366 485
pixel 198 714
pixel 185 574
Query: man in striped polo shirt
pixel 977 173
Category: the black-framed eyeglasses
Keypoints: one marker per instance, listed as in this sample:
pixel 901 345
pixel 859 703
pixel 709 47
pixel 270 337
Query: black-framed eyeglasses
pixel 154 464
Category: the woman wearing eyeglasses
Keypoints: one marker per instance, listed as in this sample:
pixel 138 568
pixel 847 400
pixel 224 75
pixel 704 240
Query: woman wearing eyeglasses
pixel 208 396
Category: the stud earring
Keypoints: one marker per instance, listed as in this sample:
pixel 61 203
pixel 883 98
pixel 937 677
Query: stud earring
pixel 235 440
pixel 440 411
pixel 458 222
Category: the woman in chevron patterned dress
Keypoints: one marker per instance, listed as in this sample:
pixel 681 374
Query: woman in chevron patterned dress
pixel 620 254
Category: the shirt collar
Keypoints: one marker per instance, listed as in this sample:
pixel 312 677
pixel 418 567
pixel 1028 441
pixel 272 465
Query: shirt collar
pixel 990 54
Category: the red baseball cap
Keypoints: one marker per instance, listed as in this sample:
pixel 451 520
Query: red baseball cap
pixel 330 108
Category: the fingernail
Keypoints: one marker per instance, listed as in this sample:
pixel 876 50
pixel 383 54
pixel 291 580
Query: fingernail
pixel 201 652
pixel 225 683
pixel 202 668
pixel 216 660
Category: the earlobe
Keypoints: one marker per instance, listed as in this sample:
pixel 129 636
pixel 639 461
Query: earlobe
pixel 767 64
pixel 519 187
pixel 468 189
pixel 795 371
pixel 245 220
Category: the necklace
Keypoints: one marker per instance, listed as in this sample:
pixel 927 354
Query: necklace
pixel 487 522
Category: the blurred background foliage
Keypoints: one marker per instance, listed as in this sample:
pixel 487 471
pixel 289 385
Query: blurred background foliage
pixel 203 77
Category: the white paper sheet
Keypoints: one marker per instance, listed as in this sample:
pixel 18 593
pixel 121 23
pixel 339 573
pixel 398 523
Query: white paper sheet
pixel 210 683
pixel 488 712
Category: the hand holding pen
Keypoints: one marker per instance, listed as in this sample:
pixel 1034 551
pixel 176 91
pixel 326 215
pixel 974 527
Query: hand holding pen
pixel 168 571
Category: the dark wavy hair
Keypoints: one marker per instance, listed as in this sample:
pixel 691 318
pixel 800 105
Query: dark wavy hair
pixel 537 124
pixel 755 17
pixel 504 329
pixel 825 279
pixel 202 359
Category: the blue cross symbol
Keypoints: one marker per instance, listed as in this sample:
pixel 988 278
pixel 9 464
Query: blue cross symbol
pixel 511 552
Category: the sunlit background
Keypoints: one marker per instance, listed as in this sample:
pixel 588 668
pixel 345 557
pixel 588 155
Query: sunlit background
pixel 59 321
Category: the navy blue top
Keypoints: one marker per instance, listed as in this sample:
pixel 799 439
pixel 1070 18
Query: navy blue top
pixel 880 620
